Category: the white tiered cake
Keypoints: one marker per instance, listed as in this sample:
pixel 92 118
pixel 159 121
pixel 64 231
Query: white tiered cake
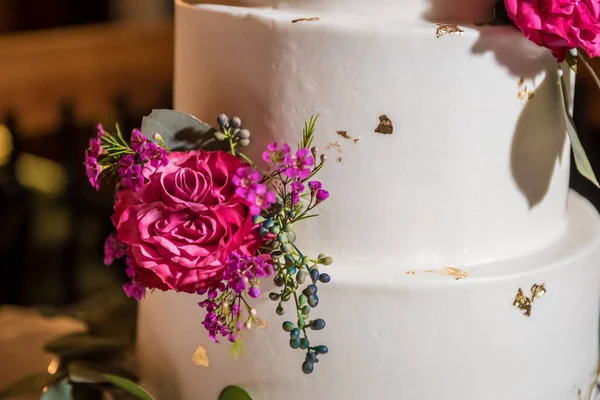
pixel 475 175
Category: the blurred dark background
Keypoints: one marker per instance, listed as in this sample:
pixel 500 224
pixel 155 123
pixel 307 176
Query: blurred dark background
pixel 66 65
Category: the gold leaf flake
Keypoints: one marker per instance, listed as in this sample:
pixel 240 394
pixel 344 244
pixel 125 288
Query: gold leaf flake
pixel 339 159
pixel 200 358
pixel 452 271
pixel 444 29
pixel 261 323
pixel 385 125
pixel 309 19
pixel 537 291
pixel 523 303
pixel 356 140
pixel 524 93
pixel 411 272
pixel 344 134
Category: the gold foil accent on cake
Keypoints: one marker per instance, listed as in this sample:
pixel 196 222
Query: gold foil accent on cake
pixel 356 140
pixel 200 357
pixel 452 271
pixel 309 19
pixel 525 303
pixel 444 29
pixel 385 126
pixel 261 323
pixel 339 159
pixel 411 272
pixel 524 92
pixel 344 134
pixel 537 291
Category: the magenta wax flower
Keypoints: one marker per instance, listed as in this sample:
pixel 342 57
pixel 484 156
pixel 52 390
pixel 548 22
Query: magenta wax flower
pixel 276 154
pixel 254 292
pixel 245 179
pixel 299 166
pixel 314 185
pixel 156 154
pixel 297 189
pixel 113 249
pixel 260 198
pixel 134 290
pixel 130 173
pixel 322 195
pixel 138 141
pixel 96 144
pixel 92 170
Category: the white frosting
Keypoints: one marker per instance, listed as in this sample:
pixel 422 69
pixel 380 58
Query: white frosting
pixel 439 10
pixel 472 176
pixel 398 336
pixel 472 173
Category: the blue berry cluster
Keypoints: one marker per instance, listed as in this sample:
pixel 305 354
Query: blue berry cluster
pixel 231 130
pixel 298 276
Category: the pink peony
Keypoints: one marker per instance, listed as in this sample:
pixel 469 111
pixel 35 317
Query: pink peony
pixel 183 224
pixel 559 25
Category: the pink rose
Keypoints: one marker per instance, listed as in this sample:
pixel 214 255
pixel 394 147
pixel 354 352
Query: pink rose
pixel 559 25
pixel 181 226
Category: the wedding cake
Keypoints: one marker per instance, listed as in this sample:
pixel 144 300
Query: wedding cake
pixel 464 267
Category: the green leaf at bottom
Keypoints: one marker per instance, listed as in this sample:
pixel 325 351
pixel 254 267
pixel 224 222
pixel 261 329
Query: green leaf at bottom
pixel 128 386
pixel 581 160
pixel 234 393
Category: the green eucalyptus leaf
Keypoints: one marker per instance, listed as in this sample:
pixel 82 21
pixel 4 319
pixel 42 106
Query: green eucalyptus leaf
pixel 80 372
pixel 234 393
pixel 581 160
pixel 92 372
pixel 33 384
pixel 62 390
pixel 179 130
pixel 81 345
pixel 128 386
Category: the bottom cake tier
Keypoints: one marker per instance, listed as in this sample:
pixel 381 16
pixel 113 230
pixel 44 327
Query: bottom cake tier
pixel 402 334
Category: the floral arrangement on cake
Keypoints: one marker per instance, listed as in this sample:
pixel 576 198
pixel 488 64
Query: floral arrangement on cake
pixel 194 214
pixel 570 29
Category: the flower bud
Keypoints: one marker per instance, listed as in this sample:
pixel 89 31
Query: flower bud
pixel 323 158
pixel 244 142
pixel 244 134
pixel 236 122
pixel 314 150
pixel 222 120
pixel 220 136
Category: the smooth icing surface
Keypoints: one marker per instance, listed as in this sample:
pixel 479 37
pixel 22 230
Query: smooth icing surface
pixel 471 174
pixel 438 10
pixel 398 336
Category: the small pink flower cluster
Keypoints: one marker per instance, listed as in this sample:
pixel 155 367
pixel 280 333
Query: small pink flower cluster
pixel 242 274
pixel 250 188
pixel 107 151
pixel 297 166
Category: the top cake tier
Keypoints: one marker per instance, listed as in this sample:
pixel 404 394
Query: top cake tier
pixel 466 11
pixel 443 148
